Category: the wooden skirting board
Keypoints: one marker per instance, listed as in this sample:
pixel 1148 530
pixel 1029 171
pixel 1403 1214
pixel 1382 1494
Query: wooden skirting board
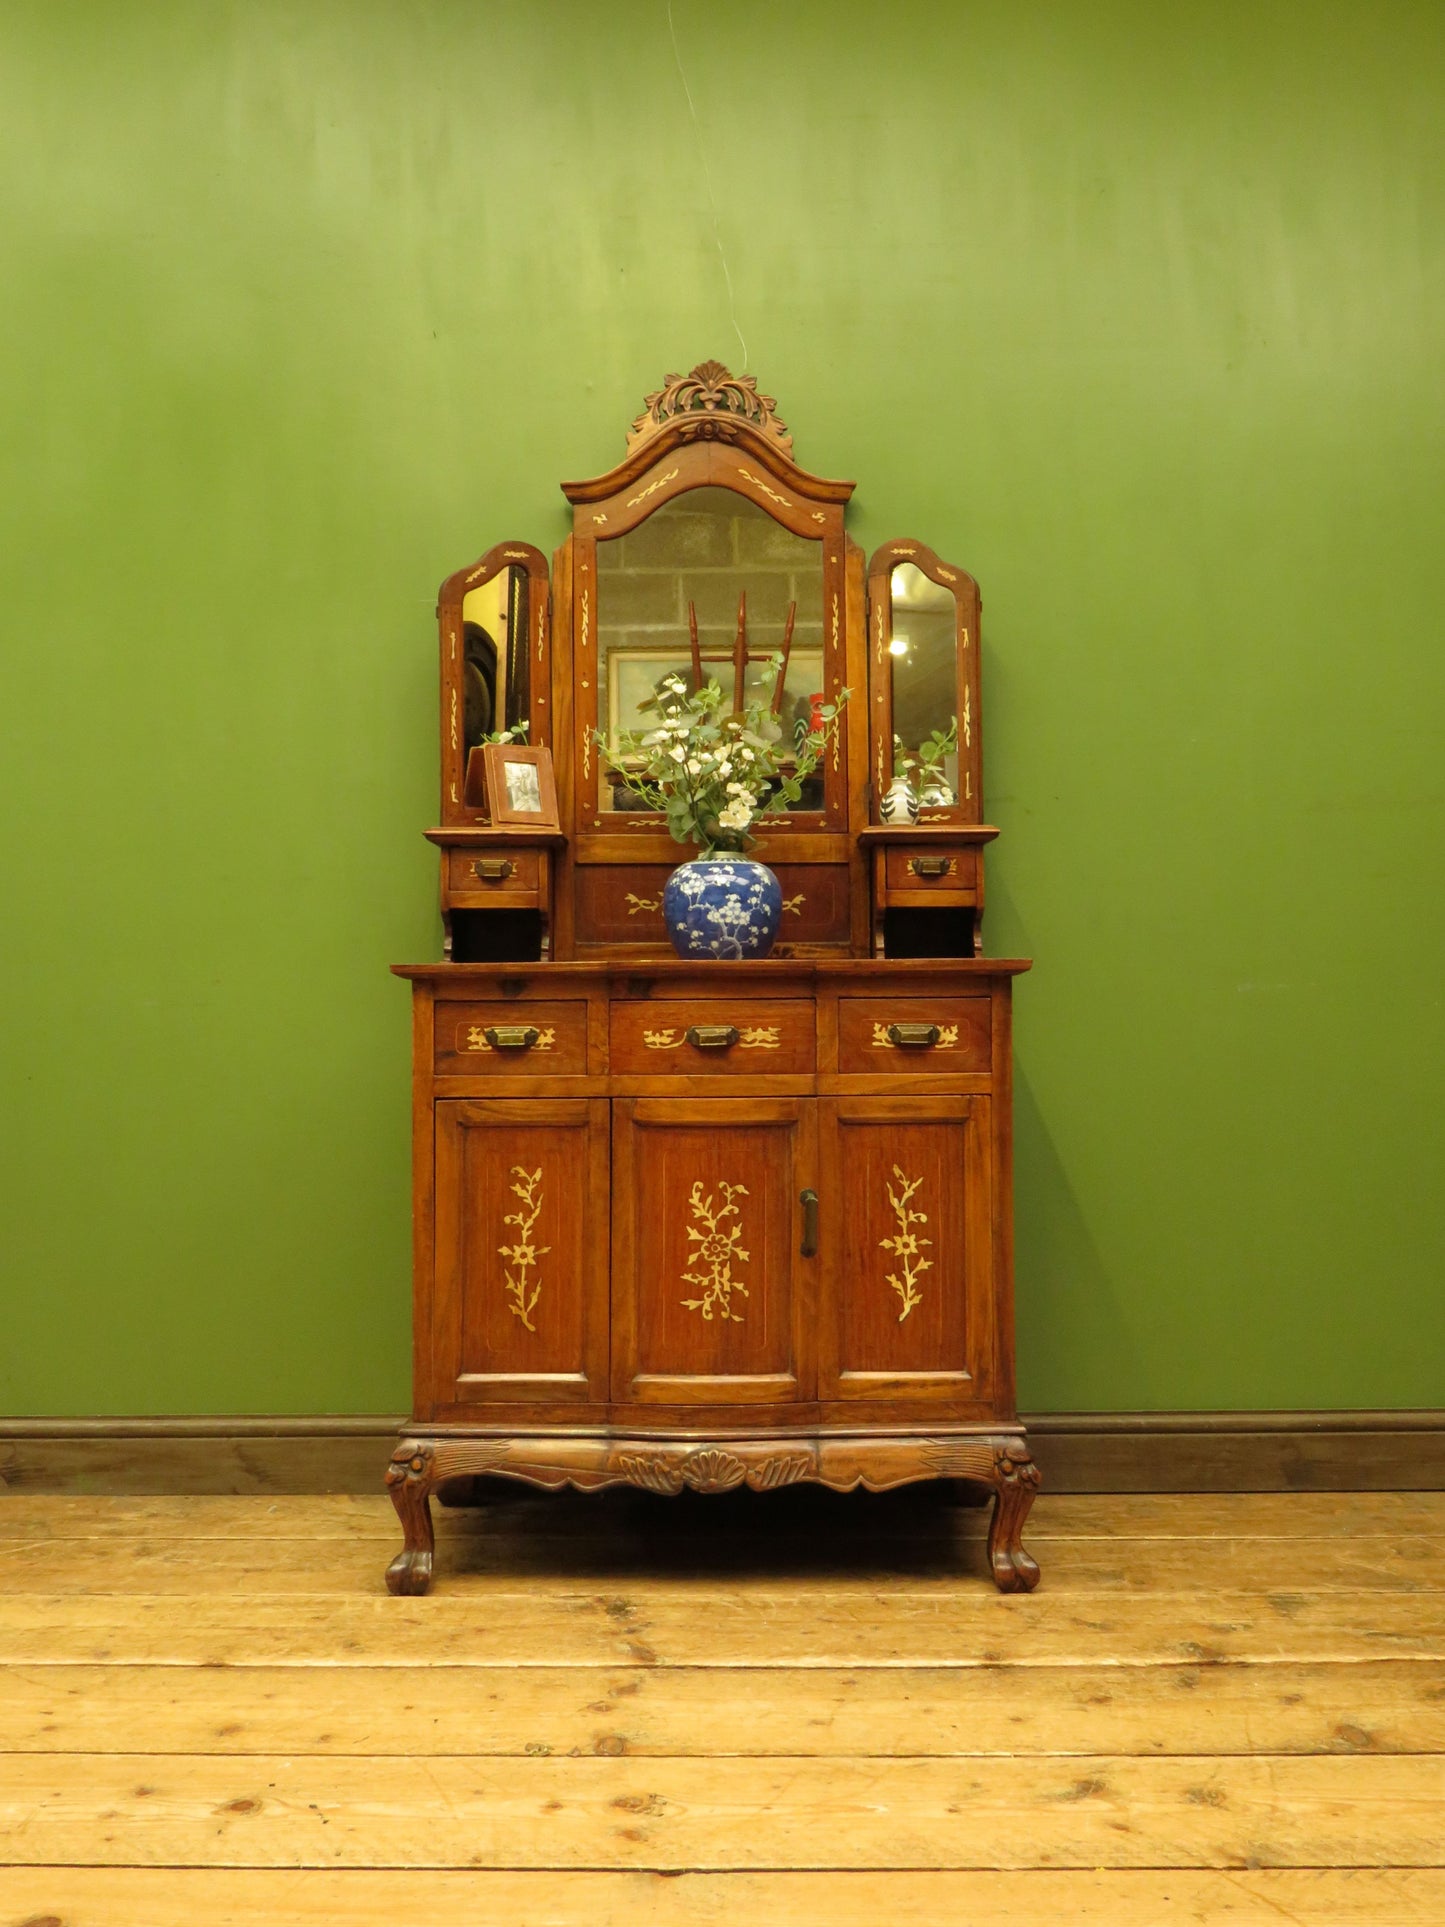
pixel 1076 1452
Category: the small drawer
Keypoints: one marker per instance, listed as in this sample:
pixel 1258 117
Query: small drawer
pixel 493 873
pixel 891 1036
pixel 706 1037
pixel 941 872
pixel 816 906
pixel 508 1038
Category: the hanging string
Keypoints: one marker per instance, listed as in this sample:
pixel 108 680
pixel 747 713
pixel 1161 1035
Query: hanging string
pixel 712 197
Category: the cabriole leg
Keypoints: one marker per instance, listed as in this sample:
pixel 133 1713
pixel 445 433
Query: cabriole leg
pixel 1015 1481
pixel 409 1479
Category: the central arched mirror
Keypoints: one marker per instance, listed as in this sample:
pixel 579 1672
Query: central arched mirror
pixel 708 587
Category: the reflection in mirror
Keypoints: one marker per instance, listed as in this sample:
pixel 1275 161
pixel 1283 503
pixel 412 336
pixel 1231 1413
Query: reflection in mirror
pixel 496 660
pixel 924 665
pixel 713 566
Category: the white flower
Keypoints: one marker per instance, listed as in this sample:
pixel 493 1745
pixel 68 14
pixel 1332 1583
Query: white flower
pixel 737 815
pixel 678 753
pixel 677 683
pixel 694 767
pixel 724 767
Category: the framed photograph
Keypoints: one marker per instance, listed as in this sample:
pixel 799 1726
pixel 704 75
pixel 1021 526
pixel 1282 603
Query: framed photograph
pixel 521 789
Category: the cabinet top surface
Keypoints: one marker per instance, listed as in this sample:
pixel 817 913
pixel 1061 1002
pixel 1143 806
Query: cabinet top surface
pixel 880 970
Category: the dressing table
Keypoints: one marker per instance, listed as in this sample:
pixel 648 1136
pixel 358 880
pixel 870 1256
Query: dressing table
pixel 694 1223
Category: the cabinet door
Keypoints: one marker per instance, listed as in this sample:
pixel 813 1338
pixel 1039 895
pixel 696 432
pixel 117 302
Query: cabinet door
pixel 907 1236
pixel 520 1308
pixel 710 1295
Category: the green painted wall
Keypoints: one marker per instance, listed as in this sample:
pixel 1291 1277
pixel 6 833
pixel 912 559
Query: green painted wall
pixel 1133 309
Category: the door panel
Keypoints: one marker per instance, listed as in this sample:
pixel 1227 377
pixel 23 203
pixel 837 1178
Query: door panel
pixel 711 1299
pixel 907 1307
pixel 521 1251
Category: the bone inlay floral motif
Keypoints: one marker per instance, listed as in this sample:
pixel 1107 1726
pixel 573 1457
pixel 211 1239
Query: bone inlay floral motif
pixel 717 1250
pixel 753 1037
pixel 652 488
pixel 748 476
pixel 522 1256
pixel 905 1245
pixel 476 1039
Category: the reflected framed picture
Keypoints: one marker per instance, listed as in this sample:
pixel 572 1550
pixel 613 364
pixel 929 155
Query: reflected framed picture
pixel 521 789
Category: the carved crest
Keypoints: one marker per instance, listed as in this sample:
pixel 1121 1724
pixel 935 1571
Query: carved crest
pixel 711 402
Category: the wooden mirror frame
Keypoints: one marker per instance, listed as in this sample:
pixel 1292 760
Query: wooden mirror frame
pixel 968 698
pixel 710 429
pixel 451 596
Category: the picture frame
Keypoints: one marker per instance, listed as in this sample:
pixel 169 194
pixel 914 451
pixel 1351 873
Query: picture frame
pixel 521 787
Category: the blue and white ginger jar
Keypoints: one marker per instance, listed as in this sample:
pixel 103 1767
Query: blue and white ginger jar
pixel 723 907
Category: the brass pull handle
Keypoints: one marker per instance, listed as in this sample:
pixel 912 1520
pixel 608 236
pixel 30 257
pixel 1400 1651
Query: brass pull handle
pixel 913 1036
pixel 511 1036
pixel 809 1201
pixel 493 869
pixel 712 1036
pixel 931 866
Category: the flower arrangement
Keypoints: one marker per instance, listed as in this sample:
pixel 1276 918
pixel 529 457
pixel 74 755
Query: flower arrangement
pixel 927 759
pixel 711 771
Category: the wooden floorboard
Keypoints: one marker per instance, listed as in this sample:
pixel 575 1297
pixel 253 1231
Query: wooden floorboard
pixel 1220 1708
pixel 108 1897
pixel 1391 1706
pixel 852 1519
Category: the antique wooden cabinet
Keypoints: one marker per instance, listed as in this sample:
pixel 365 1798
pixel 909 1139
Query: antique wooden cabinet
pixel 709 1224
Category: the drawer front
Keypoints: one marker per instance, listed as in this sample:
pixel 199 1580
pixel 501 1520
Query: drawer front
pixel 621 903
pixel 942 872
pixel 502 873
pixel 815 902
pixel 712 1036
pixel 892 1036
pixel 504 1037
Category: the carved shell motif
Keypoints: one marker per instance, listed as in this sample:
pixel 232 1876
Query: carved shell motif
pixel 713 1471
pixel 710 399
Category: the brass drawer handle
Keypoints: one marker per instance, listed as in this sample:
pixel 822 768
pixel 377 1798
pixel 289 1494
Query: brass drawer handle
pixel 809 1201
pixel 712 1036
pixel 493 869
pixel 913 1036
pixel 931 866
pixel 511 1036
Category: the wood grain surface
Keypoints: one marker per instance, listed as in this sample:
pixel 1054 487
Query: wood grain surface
pixel 783 1708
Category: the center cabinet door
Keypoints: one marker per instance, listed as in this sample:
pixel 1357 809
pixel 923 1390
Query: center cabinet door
pixel 711 1295
pixel 520 1307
